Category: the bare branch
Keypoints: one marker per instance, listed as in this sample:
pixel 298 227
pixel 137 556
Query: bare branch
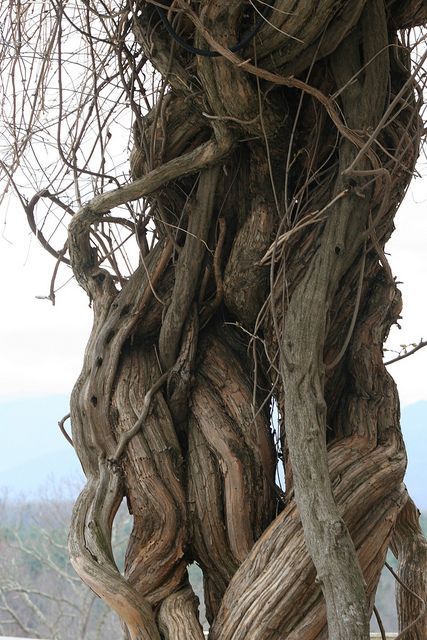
pixel 61 425
pixel 406 354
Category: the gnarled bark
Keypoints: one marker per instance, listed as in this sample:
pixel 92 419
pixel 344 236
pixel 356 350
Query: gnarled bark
pixel 410 547
pixel 272 165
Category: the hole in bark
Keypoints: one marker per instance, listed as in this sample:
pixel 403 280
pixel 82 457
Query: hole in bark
pixel 195 576
pixel 338 250
pixel 275 428
pixel 125 310
pixel 110 336
pixel 99 361
pixel 121 530
pixel 100 277
pixel 385 600
pixel 94 401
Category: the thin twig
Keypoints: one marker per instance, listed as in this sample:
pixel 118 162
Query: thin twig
pixel 420 345
pixel 55 273
pixel 214 304
pixel 309 218
pixel 61 424
pixel 423 604
pixel 380 623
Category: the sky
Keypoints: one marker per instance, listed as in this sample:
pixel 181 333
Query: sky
pixel 41 346
pixel 407 251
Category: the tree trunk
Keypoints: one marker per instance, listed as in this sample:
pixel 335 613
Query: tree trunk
pixel 410 547
pixel 273 172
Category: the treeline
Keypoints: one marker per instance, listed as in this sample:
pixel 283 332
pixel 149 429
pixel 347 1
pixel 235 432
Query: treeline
pixel 41 596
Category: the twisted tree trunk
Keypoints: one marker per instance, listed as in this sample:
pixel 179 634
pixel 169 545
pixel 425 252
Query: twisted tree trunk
pixel 273 172
pixel 410 547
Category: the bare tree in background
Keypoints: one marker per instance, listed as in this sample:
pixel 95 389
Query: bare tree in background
pixel 40 595
pixel 240 268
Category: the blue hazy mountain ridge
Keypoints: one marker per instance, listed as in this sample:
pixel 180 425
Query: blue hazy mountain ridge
pixel 35 454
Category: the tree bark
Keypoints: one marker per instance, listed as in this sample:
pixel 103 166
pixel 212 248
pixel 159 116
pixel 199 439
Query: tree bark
pixel 273 177
pixel 410 547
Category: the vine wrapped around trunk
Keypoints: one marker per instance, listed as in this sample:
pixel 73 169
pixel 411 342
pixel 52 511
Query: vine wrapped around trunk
pixel 265 177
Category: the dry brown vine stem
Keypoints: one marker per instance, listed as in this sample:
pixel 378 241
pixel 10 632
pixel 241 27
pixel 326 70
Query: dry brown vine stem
pixel 128 435
pixel 29 212
pixel 387 113
pixel 188 267
pixel 295 83
pixel 403 633
pixel 364 147
pixel 309 219
pixel 380 624
pixel 206 155
pixel 301 367
pixel 203 156
pixel 212 305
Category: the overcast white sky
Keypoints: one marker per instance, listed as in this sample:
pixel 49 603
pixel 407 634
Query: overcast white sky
pixel 41 346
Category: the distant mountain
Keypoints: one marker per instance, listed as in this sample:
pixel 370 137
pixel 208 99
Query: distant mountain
pixel 29 428
pixel 51 475
pixel 35 458
pixel 34 453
